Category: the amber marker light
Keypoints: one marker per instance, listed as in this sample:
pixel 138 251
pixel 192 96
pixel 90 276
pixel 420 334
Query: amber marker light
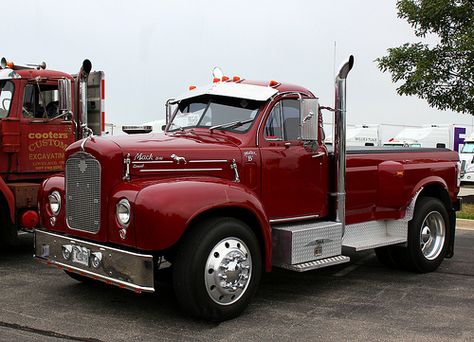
pixel 274 83
pixel 225 78
pixel 216 79
pixel 235 79
pixel 192 87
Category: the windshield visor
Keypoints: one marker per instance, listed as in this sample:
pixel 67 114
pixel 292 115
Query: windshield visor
pixel 208 111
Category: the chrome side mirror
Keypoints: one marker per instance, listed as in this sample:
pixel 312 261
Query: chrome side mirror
pixel 309 119
pixel 65 99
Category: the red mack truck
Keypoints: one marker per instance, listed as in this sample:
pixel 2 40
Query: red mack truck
pixel 241 182
pixel 41 112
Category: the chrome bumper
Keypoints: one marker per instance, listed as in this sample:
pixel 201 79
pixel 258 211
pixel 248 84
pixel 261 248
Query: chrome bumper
pixel 132 271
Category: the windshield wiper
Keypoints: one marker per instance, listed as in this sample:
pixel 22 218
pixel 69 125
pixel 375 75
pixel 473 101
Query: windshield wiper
pixel 231 124
pixel 177 126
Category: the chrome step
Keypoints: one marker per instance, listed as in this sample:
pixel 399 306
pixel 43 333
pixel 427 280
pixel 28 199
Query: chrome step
pixel 312 265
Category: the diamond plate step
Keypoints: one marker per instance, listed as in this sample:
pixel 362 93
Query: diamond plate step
pixel 361 245
pixel 312 265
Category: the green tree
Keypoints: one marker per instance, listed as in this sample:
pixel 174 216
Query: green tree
pixel 442 74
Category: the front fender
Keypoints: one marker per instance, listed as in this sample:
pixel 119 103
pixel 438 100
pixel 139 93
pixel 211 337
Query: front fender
pixel 166 209
pixel 9 199
pixel 50 184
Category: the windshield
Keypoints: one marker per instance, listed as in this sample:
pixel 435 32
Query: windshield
pixel 6 95
pixel 468 147
pixel 208 111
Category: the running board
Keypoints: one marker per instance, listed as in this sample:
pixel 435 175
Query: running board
pixel 312 265
pixel 373 234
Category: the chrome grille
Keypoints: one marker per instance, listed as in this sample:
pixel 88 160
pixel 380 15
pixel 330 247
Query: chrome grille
pixel 83 180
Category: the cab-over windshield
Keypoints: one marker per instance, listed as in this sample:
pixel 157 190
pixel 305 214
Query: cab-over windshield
pixel 468 147
pixel 209 111
pixel 6 96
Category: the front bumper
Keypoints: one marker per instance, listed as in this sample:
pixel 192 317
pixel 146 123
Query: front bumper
pixel 132 271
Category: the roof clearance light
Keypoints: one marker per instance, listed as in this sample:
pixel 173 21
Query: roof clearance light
pixel 236 79
pixel 225 78
pixel 216 79
pixel 274 83
pixel 192 87
pixel 391 139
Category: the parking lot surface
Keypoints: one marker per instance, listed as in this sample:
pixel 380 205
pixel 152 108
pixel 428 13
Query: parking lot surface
pixel 361 300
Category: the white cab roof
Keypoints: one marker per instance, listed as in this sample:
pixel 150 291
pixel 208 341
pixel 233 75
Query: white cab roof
pixel 232 89
pixel 8 74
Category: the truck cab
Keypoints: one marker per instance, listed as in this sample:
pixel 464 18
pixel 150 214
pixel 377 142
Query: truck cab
pixel 35 130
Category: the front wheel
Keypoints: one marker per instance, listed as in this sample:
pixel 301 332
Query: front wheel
pixel 217 269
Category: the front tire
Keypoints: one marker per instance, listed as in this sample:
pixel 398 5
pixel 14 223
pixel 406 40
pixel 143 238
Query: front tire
pixel 217 269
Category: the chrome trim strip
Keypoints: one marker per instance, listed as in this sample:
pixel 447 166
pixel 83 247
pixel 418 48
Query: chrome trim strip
pixel 292 219
pixel 181 170
pixel 153 162
pixel 209 161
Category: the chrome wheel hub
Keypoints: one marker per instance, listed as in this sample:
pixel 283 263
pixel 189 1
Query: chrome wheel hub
pixel 228 271
pixel 432 235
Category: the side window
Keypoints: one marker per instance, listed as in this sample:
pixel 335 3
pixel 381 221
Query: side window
pixel 6 94
pixel 291 119
pixel 273 126
pixel 40 102
pixel 29 103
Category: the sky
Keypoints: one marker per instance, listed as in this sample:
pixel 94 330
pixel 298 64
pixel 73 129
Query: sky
pixel 153 50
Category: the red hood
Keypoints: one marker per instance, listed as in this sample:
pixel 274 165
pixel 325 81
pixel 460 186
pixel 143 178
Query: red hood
pixel 168 154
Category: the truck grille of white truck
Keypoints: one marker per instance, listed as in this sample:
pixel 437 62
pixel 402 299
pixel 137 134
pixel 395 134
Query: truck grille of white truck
pixel 83 180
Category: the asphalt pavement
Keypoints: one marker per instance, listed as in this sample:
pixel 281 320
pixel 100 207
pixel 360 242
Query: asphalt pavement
pixel 361 300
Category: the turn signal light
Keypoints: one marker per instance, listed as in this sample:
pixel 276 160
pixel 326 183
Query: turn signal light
pixel 29 219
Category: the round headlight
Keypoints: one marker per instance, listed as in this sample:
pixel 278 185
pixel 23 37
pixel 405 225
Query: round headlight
pixel 123 212
pixel 55 202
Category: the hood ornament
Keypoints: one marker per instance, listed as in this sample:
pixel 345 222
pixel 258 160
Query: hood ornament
pixel 178 159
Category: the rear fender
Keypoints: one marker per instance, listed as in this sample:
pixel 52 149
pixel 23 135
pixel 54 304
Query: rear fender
pixel 9 199
pixel 165 210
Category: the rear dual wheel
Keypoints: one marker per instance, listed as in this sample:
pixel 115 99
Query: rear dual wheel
pixel 427 241
pixel 217 269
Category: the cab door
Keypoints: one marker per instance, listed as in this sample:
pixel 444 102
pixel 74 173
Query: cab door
pixel 294 173
pixel 45 136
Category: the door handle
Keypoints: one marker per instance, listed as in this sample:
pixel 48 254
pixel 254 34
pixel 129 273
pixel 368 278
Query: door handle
pixel 317 155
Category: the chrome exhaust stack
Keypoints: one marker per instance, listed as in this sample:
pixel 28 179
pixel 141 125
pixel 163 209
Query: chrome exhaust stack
pixel 83 78
pixel 340 140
